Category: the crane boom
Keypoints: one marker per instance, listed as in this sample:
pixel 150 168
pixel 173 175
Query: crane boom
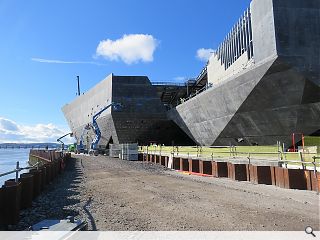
pixel 96 139
pixel 62 143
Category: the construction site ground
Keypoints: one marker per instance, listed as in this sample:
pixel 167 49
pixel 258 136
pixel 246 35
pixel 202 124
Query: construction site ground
pixel 117 195
pixel 143 196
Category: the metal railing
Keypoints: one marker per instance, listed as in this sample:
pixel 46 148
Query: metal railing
pixel 19 169
pixel 168 84
pixel 192 95
pixel 231 153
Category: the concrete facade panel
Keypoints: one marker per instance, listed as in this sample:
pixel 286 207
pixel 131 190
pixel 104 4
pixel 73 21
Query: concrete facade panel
pixel 263 30
pixel 217 106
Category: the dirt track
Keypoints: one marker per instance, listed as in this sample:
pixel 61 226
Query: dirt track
pixel 121 195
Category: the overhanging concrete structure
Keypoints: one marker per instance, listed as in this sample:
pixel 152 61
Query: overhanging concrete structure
pixel 262 84
pixel 265 79
pixel 142 117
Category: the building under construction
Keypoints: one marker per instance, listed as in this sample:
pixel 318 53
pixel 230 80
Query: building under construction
pixel 261 85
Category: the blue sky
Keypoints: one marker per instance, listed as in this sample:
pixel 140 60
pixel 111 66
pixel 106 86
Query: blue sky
pixel 44 45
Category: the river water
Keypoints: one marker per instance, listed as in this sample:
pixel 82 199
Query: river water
pixel 8 159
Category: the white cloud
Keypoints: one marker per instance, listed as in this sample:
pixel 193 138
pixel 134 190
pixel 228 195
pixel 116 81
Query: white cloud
pixel 8 125
pixel 11 132
pixel 204 54
pixel 130 48
pixel 42 60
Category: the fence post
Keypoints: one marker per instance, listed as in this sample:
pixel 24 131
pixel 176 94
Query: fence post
pixel 147 153
pixel 249 168
pixel 278 147
pixel 170 160
pixel 302 161
pixel 17 171
pixel 315 172
pixel 314 165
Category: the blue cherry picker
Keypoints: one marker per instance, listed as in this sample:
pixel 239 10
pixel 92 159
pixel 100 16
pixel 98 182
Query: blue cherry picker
pixel 94 148
pixel 61 142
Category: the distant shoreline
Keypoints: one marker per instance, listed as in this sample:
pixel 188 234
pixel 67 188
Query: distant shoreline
pixel 30 145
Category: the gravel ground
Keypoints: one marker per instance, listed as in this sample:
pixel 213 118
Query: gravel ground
pixel 60 199
pixel 115 195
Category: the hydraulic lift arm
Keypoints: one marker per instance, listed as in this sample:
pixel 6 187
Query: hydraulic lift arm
pixel 60 141
pixel 94 144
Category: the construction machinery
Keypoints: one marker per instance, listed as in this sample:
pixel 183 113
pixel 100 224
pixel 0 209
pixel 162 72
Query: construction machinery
pixel 61 142
pixel 80 146
pixel 94 144
pixel 72 147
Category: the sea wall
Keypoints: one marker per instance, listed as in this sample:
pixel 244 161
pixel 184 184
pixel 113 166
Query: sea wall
pixel 18 195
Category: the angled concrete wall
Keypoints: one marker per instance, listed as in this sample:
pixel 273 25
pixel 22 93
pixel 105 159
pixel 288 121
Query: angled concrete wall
pixel 297 28
pixel 80 111
pixel 205 116
pixel 142 117
pixel 274 110
pixel 278 95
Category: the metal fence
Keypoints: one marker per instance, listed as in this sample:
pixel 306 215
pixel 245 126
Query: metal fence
pixel 19 169
pixel 305 160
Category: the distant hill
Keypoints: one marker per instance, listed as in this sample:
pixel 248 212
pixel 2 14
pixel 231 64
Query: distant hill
pixel 30 145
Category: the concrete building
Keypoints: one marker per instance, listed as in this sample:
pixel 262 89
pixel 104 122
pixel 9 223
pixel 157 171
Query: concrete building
pixel 261 85
pixel 265 79
pixel 141 118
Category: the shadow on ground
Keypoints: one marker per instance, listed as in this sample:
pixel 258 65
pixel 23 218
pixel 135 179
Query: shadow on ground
pixel 60 199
